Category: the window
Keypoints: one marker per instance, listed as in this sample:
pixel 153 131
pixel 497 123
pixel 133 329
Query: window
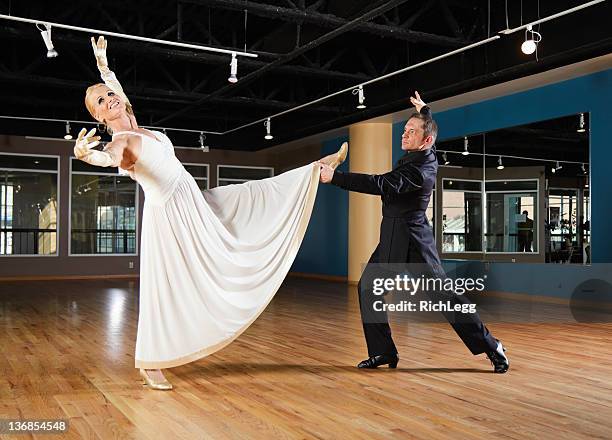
pixel 28 204
pixel 512 220
pixel 230 174
pixel 562 208
pixel 200 174
pixel 461 216
pixel 103 211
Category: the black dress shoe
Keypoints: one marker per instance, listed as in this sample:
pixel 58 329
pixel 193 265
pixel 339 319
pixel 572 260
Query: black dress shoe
pixel 381 359
pixel 498 358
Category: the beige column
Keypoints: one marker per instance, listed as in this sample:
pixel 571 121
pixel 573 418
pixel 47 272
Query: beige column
pixel 369 152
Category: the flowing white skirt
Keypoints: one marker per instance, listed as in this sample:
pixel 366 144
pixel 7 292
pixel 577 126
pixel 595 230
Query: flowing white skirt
pixel 211 263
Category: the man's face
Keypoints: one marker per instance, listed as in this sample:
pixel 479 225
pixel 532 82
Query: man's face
pixel 412 139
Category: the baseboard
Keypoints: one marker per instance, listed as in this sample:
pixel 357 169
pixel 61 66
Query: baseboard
pixel 66 277
pixel 317 276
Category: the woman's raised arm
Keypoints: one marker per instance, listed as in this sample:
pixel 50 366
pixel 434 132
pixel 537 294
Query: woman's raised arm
pixel 107 75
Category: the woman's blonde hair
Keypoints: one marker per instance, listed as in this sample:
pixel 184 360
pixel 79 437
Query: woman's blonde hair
pixel 90 106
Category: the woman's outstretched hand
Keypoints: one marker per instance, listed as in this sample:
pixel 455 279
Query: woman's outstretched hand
pixel 99 49
pixel 85 142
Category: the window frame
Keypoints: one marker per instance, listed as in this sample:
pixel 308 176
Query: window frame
pixel 207 166
pixel 219 166
pixel 136 209
pixel 482 202
pixel 536 209
pixel 58 206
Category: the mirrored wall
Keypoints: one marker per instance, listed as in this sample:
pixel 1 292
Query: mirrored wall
pixel 516 194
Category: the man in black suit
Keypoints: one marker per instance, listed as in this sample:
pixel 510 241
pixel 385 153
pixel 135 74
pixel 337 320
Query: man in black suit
pixel 406 237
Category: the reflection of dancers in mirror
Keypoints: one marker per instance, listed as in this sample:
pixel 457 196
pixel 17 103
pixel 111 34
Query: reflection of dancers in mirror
pixel 210 261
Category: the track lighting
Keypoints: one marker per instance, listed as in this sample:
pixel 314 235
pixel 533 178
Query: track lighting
pixel 466 145
pixel 268 125
pixel 67 136
pixel 233 69
pixel 445 158
pixel 361 97
pixel 557 167
pixel 581 124
pixel 500 165
pixel 46 36
pixel 532 38
pixel 204 148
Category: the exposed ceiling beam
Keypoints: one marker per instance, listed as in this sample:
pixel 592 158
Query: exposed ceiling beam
pixel 329 21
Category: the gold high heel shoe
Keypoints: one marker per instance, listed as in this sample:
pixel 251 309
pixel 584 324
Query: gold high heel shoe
pixel 163 386
pixel 334 160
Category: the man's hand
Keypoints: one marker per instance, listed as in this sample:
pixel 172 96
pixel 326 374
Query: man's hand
pixel 99 50
pixel 85 142
pixel 327 173
pixel 417 101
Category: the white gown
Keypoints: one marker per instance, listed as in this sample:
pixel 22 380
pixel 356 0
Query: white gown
pixel 210 263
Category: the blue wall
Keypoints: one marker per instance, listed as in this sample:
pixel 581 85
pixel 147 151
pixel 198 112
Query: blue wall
pixel 325 246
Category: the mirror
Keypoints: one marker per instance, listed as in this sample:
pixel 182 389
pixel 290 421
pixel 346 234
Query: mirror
pixel 516 194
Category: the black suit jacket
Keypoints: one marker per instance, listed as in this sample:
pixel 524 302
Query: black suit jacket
pixel 405 233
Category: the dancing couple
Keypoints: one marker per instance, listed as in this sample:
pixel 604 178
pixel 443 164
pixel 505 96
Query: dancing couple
pixel 210 261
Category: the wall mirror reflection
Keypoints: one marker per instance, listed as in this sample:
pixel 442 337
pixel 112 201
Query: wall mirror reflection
pixel 516 194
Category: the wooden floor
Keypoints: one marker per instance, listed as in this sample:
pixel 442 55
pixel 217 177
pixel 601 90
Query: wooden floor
pixel 68 352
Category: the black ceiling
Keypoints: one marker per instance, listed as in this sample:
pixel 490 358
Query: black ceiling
pixel 307 49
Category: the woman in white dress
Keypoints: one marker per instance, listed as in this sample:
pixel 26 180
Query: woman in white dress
pixel 210 262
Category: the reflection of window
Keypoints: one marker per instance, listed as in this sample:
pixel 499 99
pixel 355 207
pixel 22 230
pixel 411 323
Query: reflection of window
pixel 461 216
pixel 200 174
pixel 586 213
pixel 229 174
pixel 103 211
pixel 28 205
pixel 562 206
pixel 511 216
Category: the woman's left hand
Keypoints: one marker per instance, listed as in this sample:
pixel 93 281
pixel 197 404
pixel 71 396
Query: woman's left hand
pixel 99 50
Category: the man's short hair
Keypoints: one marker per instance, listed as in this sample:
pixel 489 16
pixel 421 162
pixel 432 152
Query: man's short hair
pixel 429 125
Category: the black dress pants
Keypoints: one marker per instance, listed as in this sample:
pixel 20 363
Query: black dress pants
pixel 468 326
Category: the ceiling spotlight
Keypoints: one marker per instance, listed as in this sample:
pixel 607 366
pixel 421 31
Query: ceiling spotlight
pixel 557 167
pixel 532 38
pixel 268 125
pixel 46 36
pixel 67 136
pixel 204 148
pixel 581 124
pixel 361 97
pixel 500 165
pixel 583 169
pixel 233 69
pixel 466 145
pixel 445 159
